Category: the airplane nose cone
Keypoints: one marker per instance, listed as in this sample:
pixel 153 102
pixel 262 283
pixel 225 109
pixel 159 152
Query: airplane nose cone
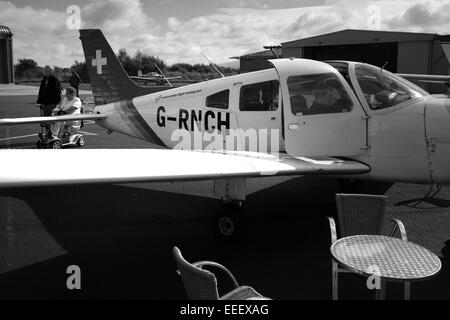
pixel 437 120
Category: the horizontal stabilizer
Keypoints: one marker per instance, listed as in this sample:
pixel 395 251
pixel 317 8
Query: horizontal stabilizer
pixel 157 165
pixel 17 121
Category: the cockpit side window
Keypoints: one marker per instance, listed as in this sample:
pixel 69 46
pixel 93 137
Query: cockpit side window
pixel 218 100
pixel 318 94
pixel 262 96
pixel 381 88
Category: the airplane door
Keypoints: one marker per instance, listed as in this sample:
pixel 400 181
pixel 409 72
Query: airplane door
pixel 257 109
pixel 322 116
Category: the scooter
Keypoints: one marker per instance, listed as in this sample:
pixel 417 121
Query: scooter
pixel 64 139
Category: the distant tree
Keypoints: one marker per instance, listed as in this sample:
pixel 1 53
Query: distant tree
pixel 127 62
pixel 59 72
pixel 140 61
pixel 26 67
pixel 146 63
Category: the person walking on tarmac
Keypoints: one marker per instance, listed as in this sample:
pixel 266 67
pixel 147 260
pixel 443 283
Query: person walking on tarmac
pixel 75 81
pixel 49 91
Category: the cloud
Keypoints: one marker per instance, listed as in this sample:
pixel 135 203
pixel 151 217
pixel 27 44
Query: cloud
pixel 116 16
pixel 431 16
pixel 37 33
pixel 42 34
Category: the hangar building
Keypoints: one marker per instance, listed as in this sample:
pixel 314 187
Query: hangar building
pixel 405 52
pixel 6 56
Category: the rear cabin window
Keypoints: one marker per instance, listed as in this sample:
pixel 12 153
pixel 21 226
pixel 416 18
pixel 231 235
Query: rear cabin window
pixel 262 96
pixel 218 100
pixel 318 94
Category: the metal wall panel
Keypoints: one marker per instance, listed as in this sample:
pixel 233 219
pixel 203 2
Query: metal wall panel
pixel 292 52
pixel 414 57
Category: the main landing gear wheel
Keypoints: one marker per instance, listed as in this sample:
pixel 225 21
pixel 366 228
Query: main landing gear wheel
pixel 231 222
pixel 56 144
pixel 226 225
pixel 80 142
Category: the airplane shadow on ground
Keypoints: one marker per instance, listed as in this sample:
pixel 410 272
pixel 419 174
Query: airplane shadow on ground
pixel 122 239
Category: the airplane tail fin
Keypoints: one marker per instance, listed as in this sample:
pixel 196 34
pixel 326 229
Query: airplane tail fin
pixel 109 80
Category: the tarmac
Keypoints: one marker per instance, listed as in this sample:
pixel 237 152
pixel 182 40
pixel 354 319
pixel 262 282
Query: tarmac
pixel 121 236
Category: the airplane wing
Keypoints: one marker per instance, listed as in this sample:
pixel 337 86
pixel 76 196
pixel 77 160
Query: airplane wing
pixel 143 78
pixel 153 78
pixel 170 78
pixel 22 168
pixel 426 78
pixel 28 120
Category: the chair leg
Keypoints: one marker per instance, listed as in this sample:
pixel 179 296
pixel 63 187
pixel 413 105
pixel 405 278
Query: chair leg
pixel 407 290
pixel 334 268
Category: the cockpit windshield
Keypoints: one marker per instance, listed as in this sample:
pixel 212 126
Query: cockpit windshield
pixel 383 89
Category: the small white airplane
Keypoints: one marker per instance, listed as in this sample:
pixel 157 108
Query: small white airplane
pixel 302 117
pixel 158 78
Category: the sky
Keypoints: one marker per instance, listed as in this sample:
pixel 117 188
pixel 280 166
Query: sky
pixel 178 31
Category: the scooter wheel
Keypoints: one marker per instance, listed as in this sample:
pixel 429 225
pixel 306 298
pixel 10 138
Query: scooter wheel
pixel 80 142
pixel 56 145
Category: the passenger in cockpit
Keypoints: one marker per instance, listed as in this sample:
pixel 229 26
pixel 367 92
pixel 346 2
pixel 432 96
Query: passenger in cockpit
pixel 328 99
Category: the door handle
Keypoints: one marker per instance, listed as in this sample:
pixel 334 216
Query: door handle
pixel 294 126
pixel 273 118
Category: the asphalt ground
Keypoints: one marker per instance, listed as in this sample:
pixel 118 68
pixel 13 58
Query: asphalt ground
pixel 121 236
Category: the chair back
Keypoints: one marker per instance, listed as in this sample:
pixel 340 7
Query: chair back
pixel 360 213
pixel 199 284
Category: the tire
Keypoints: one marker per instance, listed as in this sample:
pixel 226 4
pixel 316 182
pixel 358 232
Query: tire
pixel 56 145
pixel 81 142
pixel 231 222
pixel 39 145
pixel 226 225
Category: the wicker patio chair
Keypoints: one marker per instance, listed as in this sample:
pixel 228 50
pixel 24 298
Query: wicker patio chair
pixel 360 214
pixel 201 284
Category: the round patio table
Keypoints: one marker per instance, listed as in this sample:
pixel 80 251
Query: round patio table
pixel 391 259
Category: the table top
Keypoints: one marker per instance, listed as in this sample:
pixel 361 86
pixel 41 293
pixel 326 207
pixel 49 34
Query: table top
pixel 392 258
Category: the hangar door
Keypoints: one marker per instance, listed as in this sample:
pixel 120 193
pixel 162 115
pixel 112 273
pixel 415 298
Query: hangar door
pixel 322 116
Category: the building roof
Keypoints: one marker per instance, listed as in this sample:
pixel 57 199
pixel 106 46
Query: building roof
pixel 5 32
pixel 351 36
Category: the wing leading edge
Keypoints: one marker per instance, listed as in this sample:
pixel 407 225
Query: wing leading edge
pixel 17 121
pixel 22 168
pixel 426 77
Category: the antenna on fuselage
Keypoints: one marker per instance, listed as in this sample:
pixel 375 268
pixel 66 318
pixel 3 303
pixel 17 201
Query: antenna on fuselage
pixel 384 65
pixel 164 77
pixel 212 65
